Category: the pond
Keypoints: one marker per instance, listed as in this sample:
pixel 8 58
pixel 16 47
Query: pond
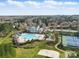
pixel 70 41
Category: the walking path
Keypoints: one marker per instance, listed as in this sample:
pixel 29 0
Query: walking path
pixel 56 46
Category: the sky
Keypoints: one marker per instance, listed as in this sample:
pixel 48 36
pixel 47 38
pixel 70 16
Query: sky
pixel 39 7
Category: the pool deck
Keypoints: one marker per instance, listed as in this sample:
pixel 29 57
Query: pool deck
pixel 26 37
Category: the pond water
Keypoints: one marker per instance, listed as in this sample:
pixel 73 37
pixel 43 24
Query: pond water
pixel 70 41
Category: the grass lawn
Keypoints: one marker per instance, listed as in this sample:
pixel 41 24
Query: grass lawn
pixel 7 50
pixel 5 47
pixel 76 50
pixel 32 52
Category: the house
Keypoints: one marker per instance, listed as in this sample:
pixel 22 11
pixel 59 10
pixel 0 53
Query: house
pixel 65 25
pixel 34 29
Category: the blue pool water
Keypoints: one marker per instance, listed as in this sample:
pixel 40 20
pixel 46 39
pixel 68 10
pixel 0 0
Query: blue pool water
pixel 28 36
pixel 70 41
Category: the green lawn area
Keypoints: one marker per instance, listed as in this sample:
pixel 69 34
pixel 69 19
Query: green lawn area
pixel 5 47
pixel 32 52
pixel 76 50
pixel 7 50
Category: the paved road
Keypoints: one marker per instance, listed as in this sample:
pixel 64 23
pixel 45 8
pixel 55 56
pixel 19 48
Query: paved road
pixel 63 30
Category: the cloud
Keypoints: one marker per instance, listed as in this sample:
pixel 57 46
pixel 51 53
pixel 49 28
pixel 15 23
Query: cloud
pixel 71 3
pixel 50 4
pixel 53 2
pixel 32 4
pixel 72 9
pixel 2 4
pixel 44 7
pixel 45 4
pixel 16 3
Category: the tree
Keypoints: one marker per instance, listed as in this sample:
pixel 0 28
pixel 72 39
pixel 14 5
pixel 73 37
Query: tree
pixel 56 36
pixel 5 28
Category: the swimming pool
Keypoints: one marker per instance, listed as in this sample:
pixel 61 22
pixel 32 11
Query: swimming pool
pixel 70 41
pixel 29 36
